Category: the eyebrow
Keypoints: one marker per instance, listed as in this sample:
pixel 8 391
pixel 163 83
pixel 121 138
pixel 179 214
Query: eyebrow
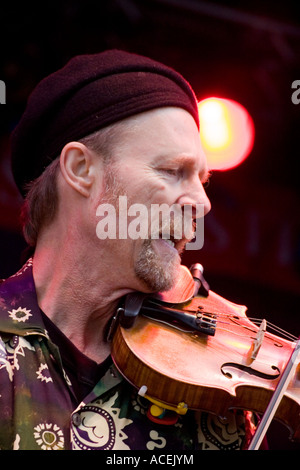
pixel 177 160
pixel 180 160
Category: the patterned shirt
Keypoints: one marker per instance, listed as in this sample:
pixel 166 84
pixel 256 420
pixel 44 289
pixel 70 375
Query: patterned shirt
pixel 39 407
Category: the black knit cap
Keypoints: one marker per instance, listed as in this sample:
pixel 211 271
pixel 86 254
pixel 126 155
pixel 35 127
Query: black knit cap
pixel 87 94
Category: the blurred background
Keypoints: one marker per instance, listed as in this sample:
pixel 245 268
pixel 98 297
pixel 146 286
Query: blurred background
pixel 244 51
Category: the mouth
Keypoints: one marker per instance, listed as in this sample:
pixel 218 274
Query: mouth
pixel 170 242
pixel 173 238
pixel 177 245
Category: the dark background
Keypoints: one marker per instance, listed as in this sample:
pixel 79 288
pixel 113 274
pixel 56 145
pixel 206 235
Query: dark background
pixel 247 51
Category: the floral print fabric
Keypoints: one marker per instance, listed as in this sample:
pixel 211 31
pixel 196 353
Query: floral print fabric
pixel 38 408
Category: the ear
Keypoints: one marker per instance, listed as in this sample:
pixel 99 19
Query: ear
pixel 76 164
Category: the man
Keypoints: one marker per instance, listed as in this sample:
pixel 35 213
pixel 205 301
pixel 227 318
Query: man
pixel 105 126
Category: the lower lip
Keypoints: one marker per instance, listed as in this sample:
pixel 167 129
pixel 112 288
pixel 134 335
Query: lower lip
pixel 162 246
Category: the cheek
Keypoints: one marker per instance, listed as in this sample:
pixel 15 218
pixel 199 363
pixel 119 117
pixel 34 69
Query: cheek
pixel 142 185
pixel 151 188
pixel 162 194
pixel 146 192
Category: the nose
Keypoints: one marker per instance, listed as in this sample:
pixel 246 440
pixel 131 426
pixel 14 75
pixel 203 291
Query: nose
pixel 195 196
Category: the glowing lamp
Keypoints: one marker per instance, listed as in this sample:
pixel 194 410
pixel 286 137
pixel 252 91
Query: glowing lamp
pixel 226 131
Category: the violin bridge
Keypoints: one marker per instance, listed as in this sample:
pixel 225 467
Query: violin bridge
pixel 257 342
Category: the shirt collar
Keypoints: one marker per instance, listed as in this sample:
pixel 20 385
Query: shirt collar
pixel 19 310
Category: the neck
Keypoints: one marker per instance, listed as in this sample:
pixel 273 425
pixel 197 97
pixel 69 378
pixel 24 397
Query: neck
pixel 77 294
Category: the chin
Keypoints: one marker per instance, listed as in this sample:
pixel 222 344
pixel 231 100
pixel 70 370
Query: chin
pixel 157 274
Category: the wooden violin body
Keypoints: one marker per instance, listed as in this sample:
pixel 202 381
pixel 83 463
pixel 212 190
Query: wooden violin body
pixel 235 365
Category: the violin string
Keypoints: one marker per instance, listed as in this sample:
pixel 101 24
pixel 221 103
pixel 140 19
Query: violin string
pixel 207 315
pixel 273 327
pixel 191 330
pixel 279 330
pixel 256 321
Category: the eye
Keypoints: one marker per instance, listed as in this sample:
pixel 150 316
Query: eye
pixel 169 172
pixel 177 172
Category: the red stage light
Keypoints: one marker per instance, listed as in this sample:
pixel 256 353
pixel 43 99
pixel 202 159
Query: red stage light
pixel 226 131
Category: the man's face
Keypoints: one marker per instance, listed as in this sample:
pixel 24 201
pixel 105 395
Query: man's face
pixel 159 161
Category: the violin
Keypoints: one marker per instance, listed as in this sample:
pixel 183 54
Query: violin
pixel 190 348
